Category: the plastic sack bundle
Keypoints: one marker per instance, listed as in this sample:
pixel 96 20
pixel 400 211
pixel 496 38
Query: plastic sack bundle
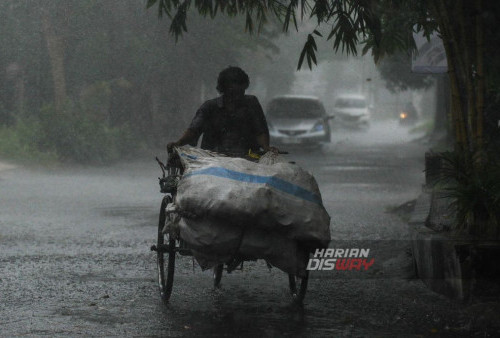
pixel 278 196
pixel 214 242
pixel 232 205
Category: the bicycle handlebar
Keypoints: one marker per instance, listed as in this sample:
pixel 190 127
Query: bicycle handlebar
pixel 259 152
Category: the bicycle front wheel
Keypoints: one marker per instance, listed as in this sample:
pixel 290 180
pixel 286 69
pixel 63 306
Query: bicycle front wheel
pixel 165 254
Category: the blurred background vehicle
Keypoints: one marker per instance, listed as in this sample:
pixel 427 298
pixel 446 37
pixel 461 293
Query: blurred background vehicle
pixel 408 116
pixel 297 120
pixel 352 111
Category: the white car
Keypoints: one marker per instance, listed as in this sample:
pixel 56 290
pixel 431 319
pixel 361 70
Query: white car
pixel 352 111
pixel 297 120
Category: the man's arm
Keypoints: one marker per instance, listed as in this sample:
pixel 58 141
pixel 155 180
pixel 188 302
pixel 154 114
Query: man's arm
pixel 263 141
pixel 189 136
pixel 194 130
pixel 260 126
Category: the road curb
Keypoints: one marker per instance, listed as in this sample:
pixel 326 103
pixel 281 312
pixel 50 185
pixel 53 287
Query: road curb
pixel 442 263
pixel 6 166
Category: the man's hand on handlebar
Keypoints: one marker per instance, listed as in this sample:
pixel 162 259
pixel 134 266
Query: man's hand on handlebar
pixel 171 145
pixel 274 150
pixel 186 138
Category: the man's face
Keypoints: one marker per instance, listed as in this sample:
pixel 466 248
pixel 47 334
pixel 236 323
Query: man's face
pixel 235 89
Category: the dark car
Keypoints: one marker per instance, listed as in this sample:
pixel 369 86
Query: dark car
pixel 297 120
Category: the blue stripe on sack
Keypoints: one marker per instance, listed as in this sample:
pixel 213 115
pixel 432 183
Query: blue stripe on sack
pixel 274 182
pixel 191 157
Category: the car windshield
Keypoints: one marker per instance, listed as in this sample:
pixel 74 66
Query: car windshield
pixel 350 103
pixel 295 109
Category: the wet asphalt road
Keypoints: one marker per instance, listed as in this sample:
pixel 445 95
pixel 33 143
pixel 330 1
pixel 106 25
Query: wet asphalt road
pixel 75 259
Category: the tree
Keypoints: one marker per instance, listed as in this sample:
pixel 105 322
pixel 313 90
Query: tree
pixel 55 47
pixel 396 71
pixel 386 27
pixel 109 62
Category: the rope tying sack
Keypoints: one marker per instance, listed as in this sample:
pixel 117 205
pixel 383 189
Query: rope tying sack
pixel 271 158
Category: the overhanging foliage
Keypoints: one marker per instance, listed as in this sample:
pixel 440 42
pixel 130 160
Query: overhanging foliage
pixel 383 27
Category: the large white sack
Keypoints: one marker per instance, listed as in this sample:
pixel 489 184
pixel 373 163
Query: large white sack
pixel 281 196
pixel 214 242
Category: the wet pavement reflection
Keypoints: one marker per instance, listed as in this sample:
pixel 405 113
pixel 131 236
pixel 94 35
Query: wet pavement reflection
pixel 75 259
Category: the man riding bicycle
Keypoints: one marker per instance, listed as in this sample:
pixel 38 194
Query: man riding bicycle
pixel 232 123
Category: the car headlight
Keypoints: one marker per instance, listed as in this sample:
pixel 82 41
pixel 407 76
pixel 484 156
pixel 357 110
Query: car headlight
pixel 318 127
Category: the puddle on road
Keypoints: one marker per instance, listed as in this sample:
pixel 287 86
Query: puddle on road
pixel 140 215
pixel 110 276
pixel 125 211
pixel 356 185
pixel 350 168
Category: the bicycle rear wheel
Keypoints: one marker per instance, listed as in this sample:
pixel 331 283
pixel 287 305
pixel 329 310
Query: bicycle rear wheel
pixel 218 275
pixel 165 247
pixel 298 286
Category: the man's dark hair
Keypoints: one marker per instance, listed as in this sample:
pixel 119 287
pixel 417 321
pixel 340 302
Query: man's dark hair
pixel 232 74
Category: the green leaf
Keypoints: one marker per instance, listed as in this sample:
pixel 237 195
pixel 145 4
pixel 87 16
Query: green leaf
pixel 150 3
pixel 249 23
pixel 317 33
pixel 302 55
pixel 290 15
pixel 178 24
pixel 320 10
pixel 308 52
